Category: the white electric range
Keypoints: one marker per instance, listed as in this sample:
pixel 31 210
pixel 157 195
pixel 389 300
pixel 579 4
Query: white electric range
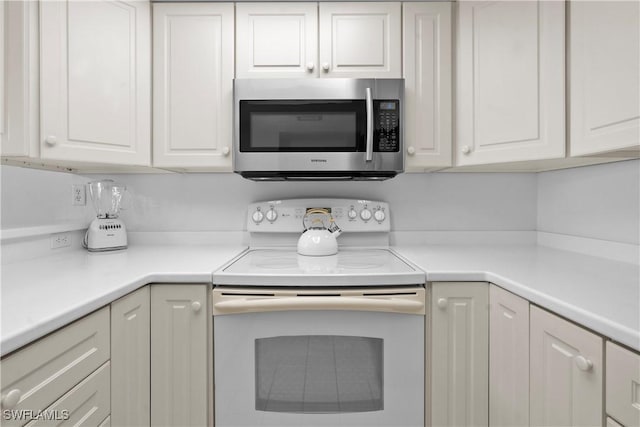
pixel 319 340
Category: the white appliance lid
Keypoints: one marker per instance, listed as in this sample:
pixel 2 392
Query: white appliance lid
pixel 350 267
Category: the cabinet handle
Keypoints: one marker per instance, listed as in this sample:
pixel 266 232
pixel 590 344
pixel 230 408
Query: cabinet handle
pixel 51 140
pixel 310 66
pixel 325 66
pixel 411 151
pixel 196 306
pixel 226 151
pixel 583 363
pixel 442 303
pixel 466 149
pixel 11 399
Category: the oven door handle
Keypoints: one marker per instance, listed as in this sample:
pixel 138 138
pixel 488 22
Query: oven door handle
pixel 248 305
pixel 369 104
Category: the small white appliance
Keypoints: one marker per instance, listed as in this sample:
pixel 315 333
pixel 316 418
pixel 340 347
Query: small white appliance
pixel 305 340
pixel 106 232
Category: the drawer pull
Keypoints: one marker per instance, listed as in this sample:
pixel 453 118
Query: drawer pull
pixel 442 303
pixel 11 399
pixel 583 363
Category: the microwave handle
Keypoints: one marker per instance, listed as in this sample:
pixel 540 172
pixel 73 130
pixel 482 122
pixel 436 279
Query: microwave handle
pixel 369 106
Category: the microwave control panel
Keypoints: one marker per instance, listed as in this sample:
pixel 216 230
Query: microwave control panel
pixel 387 125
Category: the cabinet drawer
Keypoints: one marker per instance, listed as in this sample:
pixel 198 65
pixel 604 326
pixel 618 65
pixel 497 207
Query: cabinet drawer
pixel 623 385
pixel 40 373
pixel 87 404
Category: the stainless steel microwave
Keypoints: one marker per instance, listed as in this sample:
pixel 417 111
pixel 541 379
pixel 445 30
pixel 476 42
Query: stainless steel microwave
pixel 318 129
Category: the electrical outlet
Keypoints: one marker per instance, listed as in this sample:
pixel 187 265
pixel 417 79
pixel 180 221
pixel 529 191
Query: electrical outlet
pixel 60 240
pixel 78 195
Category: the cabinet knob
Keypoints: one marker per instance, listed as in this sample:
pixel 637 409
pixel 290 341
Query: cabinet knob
pixel 411 151
pixel 583 363
pixel 466 149
pixel 11 399
pixel 310 66
pixel 51 140
pixel 226 151
pixel 196 306
pixel 442 303
pixel 325 66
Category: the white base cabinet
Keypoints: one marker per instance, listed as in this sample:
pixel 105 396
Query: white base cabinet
pixel 459 354
pixel 131 359
pixel 426 34
pixel 180 358
pixel 604 76
pixel 508 359
pixel 566 373
pixel 193 46
pixel 510 81
pixel 623 385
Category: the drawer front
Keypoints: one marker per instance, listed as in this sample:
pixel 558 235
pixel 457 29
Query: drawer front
pixel 623 385
pixel 87 404
pixel 36 376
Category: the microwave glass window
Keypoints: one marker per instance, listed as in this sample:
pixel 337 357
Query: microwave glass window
pixel 302 126
pixel 319 374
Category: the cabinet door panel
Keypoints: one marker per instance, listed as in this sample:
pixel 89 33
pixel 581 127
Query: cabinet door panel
pixel 180 363
pixel 604 75
pixel 623 385
pixel 131 359
pixel 360 40
pixel 508 359
pixel 510 81
pixel 427 71
pixel 193 85
pixel 566 371
pixel 460 364
pixel 96 81
pixel 277 40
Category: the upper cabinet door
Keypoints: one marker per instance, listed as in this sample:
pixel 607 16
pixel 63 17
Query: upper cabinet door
pixel 604 76
pixel 192 85
pixel 95 77
pixel 510 81
pixel 360 40
pixel 276 40
pixel 426 34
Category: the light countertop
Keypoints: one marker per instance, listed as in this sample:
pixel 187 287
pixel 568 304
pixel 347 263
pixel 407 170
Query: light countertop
pixel 41 295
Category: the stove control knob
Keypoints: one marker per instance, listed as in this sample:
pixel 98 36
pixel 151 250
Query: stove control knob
pixel 379 215
pixel 352 214
pixel 272 215
pixel 257 217
pixel 365 214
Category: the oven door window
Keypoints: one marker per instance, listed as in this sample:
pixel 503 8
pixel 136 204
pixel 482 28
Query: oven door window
pixel 319 374
pixel 302 126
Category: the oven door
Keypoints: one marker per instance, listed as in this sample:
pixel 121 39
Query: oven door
pixel 319 357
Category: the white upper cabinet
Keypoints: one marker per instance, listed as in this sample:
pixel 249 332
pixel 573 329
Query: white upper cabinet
pixel 193 85
pixel 510 81
pixel 276 40
pixel 426 34
pixel 360 40
pixel 566 373
pixel 604 76
pixel 95 81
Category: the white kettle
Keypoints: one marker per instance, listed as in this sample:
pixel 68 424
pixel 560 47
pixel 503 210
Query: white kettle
pixel 319 239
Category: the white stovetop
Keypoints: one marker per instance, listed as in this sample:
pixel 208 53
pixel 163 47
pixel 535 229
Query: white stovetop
pixel 350 267
pixel 40 295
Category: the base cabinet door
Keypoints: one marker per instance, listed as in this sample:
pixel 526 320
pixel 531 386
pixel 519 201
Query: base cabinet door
pixel 510 81
pixel 426 34
pixel 130 359
pixel 180 363
pixel 193 45
pixel 508 359
pixel 566 373
pixel 604 72
pixel 95 81
pixel 459 354
pixel 623 385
